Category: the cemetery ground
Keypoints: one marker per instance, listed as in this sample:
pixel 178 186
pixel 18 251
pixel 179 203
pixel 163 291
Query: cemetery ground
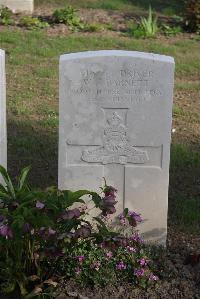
pixel 32 104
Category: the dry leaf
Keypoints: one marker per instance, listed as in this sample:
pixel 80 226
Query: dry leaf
pixel 51 282
pixel 37 290
pixel 33 278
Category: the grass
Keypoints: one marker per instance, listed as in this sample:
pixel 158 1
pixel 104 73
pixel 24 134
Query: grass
pixel 183 158
pixel 170 7
pixel 184 203
pixel 122 5
pixel 32 101
pixel 188 86
pixel 177 110
pixel 187 213
pixel 111 5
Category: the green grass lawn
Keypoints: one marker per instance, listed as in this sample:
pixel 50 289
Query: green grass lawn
pixel 32 59
pixel 169 7
pixel 124 5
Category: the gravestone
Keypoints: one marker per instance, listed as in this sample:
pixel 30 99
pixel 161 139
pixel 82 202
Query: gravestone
pixel 115 122
pixel 19 5
pixel 3 137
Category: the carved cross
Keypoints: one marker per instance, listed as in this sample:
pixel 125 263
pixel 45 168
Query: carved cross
pixel 116 152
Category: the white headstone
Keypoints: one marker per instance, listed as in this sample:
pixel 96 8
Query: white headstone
pixel 3 135
pixel 19 5
pixel 115 122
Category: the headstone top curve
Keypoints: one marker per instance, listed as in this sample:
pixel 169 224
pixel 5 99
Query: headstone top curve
pixel 2 52
pixel 19 5
pixel 117 53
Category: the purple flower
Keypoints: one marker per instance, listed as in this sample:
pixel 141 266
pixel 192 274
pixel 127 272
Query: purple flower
pixel 135 237
pixel 152 277
pixel 39 205
pixel 110 191
pixel 77 213
pixel 26 227
pixel 71 214
pixel 2 217
pixel 132 218
pixel 108 201
pixel 135 216
pixel 41 231
pixel 139 272
pixel 95 265
pixel 142 262
pixel 83 232
pixel 107 209
pixel 77 270
pixel 130 249
pixel 68 215
pixel 109 254
pixel 51 232
pixel 46 232
pixel 5 231
pixel 120 241
pixel 80 258
pixel 122 219
pixel 120 266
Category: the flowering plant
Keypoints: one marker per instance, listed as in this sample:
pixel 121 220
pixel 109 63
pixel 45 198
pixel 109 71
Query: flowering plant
pixel 43 235
pixel 115 259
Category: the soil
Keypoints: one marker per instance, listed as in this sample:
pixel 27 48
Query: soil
pixel 178 279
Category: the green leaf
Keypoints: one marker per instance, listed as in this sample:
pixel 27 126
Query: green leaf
pixel 23 177
pixel 3 189
pixel 125 211
pixel 4 212
pixel 77 194
pixel 8 181
pixel 71 197
pixel 4 196
pixel 96 199
pixel 9 287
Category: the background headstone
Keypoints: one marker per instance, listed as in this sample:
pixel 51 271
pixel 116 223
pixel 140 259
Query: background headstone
pixel 19 5
pixel 115 122
pixel 3 135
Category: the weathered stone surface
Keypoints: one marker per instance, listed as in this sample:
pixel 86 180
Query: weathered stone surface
pixel 3 135
pixel 19 5
pixel 115 122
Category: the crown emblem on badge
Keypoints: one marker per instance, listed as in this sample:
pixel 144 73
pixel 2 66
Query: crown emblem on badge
pixel 116 147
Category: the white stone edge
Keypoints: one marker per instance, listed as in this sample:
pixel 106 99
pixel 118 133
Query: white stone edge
pixel 3 138
pixel 117 53
pixel 2 53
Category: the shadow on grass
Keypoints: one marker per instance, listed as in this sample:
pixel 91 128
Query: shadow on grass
pixel 184 188
pixel 168 6
pixel 31 144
